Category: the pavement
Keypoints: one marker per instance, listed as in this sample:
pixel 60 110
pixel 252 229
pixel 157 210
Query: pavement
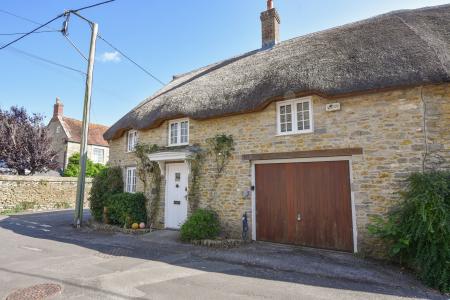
pixel 44 249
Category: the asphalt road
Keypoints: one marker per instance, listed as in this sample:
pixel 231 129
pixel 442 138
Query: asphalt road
pixel 43 248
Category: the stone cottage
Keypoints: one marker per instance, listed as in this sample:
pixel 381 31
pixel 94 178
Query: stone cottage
pixel 66 137
pixel 326 127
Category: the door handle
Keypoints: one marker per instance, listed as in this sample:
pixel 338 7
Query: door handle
pixel 299 217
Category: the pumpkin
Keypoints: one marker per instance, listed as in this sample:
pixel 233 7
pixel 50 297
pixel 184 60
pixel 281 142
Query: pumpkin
pixel 135 226
pixel 142 225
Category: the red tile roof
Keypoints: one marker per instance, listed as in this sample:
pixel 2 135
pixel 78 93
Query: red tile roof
pixel 96 132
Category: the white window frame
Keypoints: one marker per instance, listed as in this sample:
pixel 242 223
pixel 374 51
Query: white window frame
pixel 130 180
pixel 293 104
pixel 131 143
pixel 93 154
pixel 169 132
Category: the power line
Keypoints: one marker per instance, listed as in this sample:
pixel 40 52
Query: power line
pixel 132 61
pixel 47 60
pixel 19 17
pixel 32 31
pixel 99 36
pixel 45 24
pixel 90 6
pixel 41 31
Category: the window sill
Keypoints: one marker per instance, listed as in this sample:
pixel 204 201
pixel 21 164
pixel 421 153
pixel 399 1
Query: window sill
pixel 178 145
pixel 295 133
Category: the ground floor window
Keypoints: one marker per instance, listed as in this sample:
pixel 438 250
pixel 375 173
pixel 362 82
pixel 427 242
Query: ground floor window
pixel 130 186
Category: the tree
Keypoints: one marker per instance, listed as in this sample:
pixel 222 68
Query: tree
pixel 73 167
pixel 24 142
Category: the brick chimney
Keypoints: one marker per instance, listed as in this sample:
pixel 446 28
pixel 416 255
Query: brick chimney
pixel 58 108
pixel 270 22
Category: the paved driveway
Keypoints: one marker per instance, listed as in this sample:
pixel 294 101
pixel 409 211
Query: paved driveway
pixel 43 248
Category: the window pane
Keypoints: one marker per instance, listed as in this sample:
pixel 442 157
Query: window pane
pixel 289 118
pixel 184 132
pixel 174 133
pixel 131 180
pixel 285 118
pixel 133 188
pixel 132 140
pixel 128 180
pixel 303 116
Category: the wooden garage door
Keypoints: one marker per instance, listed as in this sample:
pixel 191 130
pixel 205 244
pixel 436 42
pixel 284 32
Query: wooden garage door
pixel 305 203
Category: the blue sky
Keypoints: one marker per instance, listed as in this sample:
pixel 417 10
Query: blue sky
pixel 167 37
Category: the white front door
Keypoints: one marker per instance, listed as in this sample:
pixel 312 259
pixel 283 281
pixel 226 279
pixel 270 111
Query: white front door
pixel 176 195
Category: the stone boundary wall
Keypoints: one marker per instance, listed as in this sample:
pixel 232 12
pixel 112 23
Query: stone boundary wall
pixel 39 192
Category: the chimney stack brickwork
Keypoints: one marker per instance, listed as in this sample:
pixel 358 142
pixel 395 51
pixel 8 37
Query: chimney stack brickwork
pixel 58 108
pixel 270 23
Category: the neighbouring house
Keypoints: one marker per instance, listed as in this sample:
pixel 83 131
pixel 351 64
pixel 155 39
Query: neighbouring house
pixel 66 137
pixel 326 128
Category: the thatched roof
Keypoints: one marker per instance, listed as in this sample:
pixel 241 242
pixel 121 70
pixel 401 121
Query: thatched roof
pixel 401 48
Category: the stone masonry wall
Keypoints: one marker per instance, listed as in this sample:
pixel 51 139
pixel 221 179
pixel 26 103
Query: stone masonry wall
pixel 389 126
pixel 39 193
pixel 437 124
pixel 58 143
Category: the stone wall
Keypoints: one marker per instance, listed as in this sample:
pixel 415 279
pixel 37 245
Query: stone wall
pixel 389 126
pixel 39 193
pixel 59 137
pixel 437 124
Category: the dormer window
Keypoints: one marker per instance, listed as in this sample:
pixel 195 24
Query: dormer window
pixel 295 116
pixel 178 132
pixel 131 140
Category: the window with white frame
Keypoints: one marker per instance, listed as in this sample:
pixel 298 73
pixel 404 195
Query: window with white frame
pixel 178 132
pixel 130 186
pixel 98 155
pixel 131 140
pixel 295 116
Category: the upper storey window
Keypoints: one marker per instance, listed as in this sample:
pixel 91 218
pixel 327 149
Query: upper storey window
pixel 131 140
pixel 295 116
pixel 178 132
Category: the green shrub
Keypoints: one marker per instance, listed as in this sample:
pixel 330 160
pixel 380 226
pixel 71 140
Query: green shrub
pixel 202 224
pixel 418 231
pixel 125 209
pixel 107 182
pixel 73 167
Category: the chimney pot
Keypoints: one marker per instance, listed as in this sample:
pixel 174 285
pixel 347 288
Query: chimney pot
pixel 269 4
pixel 58 108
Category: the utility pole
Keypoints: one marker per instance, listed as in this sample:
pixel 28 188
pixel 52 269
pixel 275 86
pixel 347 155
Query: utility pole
pixel 78 219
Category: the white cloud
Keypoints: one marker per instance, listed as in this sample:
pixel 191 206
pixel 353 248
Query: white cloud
pixel 110 57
